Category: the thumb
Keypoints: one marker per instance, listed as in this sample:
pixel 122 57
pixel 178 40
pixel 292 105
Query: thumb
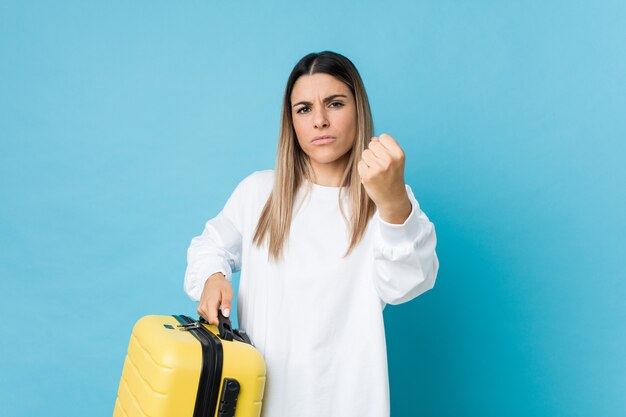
pixel 226 304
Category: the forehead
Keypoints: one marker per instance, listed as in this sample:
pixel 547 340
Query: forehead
pixel 317 85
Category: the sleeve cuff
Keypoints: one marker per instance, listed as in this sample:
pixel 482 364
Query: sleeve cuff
pixel 203 274
pixel 209 270
pixel 407 232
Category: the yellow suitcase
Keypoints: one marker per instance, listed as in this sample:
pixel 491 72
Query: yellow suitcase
pixel 180 367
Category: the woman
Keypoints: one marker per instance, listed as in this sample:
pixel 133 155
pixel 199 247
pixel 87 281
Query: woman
pixel 323 242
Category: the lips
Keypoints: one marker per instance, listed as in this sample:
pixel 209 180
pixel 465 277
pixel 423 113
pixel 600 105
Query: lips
pixel 323 139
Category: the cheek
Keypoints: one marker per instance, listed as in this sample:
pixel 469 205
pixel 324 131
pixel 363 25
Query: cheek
pixel 299 125
pixel 348 121
pixel 349 130
pixel 299 131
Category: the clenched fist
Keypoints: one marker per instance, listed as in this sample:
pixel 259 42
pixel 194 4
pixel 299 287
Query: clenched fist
pixel 381 169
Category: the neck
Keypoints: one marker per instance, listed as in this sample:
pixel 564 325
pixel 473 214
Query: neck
pixel 328 175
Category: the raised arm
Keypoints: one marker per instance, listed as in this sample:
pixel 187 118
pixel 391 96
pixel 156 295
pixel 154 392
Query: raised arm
pixel 405 261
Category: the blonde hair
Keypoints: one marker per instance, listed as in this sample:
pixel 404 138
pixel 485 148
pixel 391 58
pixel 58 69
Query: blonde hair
pixel 293 166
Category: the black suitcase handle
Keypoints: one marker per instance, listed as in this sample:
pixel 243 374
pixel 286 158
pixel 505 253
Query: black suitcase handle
pixel 225 326
pixel 226 331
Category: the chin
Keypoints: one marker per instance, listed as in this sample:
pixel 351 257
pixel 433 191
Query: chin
pixel 326 159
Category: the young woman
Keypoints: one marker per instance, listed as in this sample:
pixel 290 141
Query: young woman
pixel 323 242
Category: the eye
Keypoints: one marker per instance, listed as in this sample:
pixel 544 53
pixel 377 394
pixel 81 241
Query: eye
pixel 302 108
pixel 337 102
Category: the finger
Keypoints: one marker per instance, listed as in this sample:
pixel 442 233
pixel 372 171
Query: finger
pixel 201 312
pixel 371 161
pixel 380 152
pixel 363 171
pixel 391 145
pixel 386 139
pixel 227 297
pixel 204 313
pixel 211 310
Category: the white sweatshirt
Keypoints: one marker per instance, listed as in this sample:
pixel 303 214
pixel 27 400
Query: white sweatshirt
pixel 316 318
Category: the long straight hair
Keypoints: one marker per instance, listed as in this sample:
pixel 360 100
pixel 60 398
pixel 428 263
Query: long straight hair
pixel 293 165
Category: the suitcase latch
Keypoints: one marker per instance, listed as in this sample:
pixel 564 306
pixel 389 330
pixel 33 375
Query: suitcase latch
pixel 188 326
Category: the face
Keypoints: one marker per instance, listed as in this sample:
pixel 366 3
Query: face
pixel 324 106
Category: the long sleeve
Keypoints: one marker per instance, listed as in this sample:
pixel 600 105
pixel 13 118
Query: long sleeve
pixel 405 260
pixel 218 248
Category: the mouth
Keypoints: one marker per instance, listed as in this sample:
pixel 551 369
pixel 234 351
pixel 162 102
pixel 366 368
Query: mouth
pixel 323 139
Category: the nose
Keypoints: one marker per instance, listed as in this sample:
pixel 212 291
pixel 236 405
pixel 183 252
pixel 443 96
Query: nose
pixel 320 119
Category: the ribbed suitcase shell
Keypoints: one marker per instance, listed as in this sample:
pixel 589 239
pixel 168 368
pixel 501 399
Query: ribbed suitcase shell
pixel 162 370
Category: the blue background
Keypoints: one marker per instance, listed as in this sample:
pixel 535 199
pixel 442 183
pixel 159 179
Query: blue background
pixel 126 125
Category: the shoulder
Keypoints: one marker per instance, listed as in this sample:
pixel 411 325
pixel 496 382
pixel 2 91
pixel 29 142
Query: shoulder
pixel 258 184
pixel 256 179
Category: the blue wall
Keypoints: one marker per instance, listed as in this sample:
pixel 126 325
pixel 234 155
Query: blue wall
pixel 124 126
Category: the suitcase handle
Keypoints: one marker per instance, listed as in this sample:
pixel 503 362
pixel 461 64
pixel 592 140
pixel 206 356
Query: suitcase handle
pixel 225 326
pixel 226 331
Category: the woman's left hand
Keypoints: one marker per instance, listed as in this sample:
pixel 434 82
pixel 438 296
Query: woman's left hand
pixel 381 169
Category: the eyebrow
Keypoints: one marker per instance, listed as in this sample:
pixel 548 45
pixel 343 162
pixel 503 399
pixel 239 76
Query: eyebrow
pixel 326 100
